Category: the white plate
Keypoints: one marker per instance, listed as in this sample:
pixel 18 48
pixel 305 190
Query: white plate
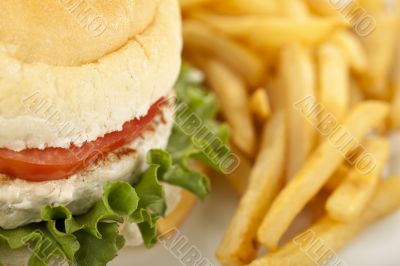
pixel 379 245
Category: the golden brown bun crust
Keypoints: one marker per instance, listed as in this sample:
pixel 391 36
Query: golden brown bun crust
pixel 134 62
pixel 71 32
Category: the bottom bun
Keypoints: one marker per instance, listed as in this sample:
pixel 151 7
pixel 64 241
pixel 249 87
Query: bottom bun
pixel 172 220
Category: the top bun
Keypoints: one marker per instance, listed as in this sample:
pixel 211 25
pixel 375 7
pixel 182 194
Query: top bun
pixel 73 70
pixel 71 32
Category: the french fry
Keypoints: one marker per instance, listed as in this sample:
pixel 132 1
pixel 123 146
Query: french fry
pixel 354 193
pixel 239 179
pixel 334 235
pixel 273 32
pixel 232 95
pixel 238 245
pixel 356 95
pixel 236 43
pixel 395 117
pixel 175 218
pixel 259 105
pixel 276 93
pixel 185 4
pixel 298 77
pixel 240 59
pixel 380 47
pixel 337 178
pixel 334 80
pixel 318 168
pixel 317 205
pixel 240 7
pixel 294 8
pixel 395 80
pixel 353 50
pixel 374 5
pixel 322 7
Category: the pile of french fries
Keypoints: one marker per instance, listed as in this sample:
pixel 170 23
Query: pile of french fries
pixel 311 99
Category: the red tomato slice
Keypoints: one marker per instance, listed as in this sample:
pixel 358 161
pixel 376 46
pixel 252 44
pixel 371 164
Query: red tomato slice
pixel 59 163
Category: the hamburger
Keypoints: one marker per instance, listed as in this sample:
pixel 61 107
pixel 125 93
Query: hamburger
pixel 98 139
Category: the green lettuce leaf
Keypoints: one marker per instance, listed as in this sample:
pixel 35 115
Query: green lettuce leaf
pixel 98 251
pixel 119 200
pixel 151 207
pixel 93 238
pixel 179 174
pixel 196 135
pixel 37 239
pixel 74 238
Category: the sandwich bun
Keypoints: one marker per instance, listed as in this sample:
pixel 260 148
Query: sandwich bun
pixel 72 71
pixel 62 85
pixel 171 221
